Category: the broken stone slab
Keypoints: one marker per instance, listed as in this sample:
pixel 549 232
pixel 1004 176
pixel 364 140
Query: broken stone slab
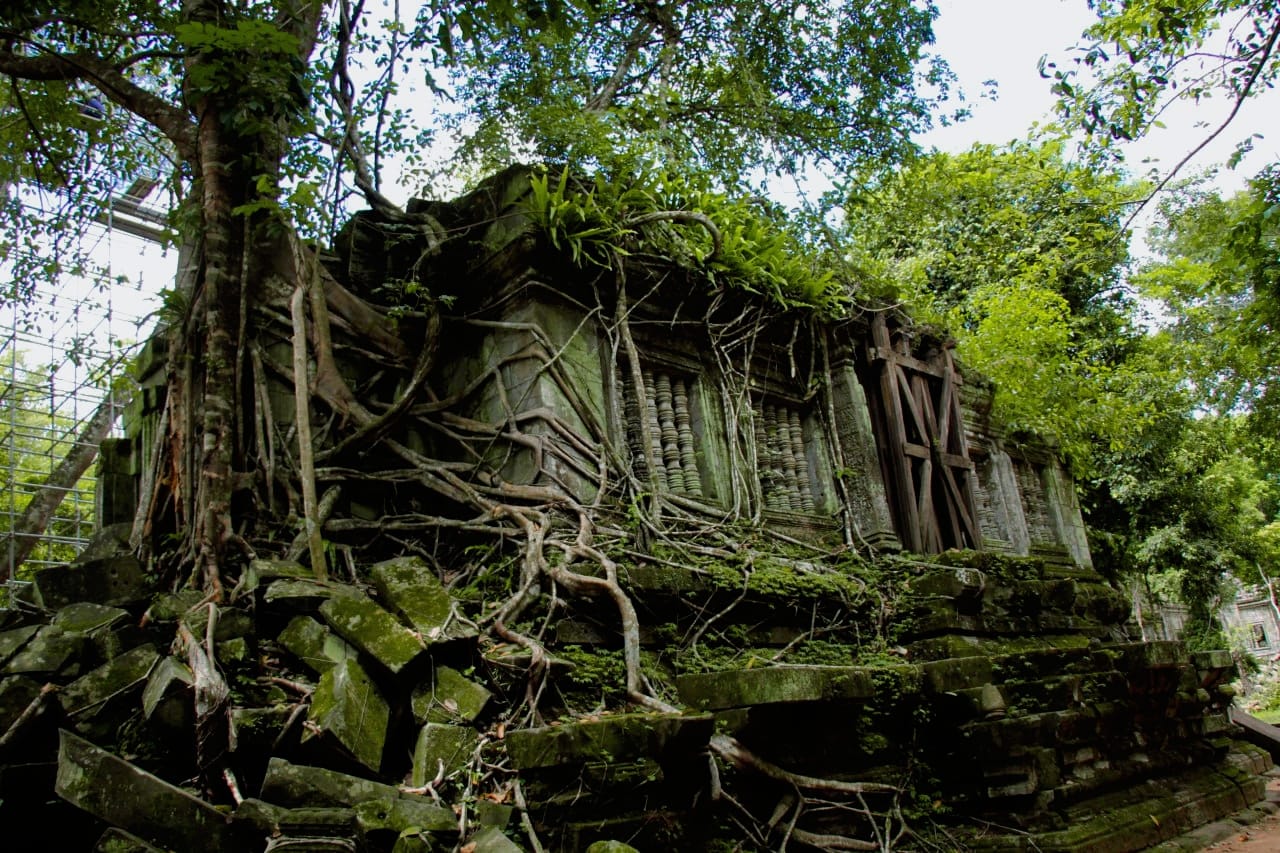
pixel 360 621
pixel 13 640
pixel 51 651
pixel 412 843
pixel 86 617
pixel 611 847
pixel 128 797
pixel 114 581
pixel 347 706
pixel 713 691
pixel 258 817
pixel 116 840
pixel 313 822
pixel 167 684
pixel 951 674
pixel 411 589
pixel 397 814
pixel 260 570
pixel 442 750
pixel 115 677
pixel 255 730
pixel 172 606
pixel 448 697
pixel 489 813
pixel 299 785
pixel 493 840
pixel 621 737
pixel 304 595
pixel 314 644
pixel 230 623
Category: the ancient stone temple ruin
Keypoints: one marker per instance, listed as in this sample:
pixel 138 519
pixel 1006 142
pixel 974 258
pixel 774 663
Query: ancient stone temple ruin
pixel 629 560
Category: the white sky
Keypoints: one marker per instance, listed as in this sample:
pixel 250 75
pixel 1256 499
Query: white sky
pixel 1004 40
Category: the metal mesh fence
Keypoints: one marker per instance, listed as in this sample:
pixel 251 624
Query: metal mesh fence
pixel 61 354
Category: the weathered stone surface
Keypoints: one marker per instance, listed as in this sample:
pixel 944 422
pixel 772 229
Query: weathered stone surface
pixel 409 587
pixel 132 799
pixel 442 750
pixel 168 683
pixel 346 704
pixel 611 847
pixel 493 840
pixel 314 644
pixel 449 697
pixel 412 843
pixel 489 813
pixel 614 738
pixel 298 785
pixel 115 677
pixel 116 840
pixel 16 693
pixel 396 814
pixel 13 640
pixel 113 581
pixel 85 617
pixel 50 651
pixel 714 691
pixel 171 606
pixel 372 630
pixel 304 595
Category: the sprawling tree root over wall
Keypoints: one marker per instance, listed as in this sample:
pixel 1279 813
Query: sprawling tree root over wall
pixel 348 431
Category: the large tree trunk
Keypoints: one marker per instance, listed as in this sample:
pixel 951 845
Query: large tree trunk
pixel 26 533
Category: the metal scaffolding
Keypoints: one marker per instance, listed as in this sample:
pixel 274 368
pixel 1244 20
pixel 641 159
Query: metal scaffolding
pixel 60 362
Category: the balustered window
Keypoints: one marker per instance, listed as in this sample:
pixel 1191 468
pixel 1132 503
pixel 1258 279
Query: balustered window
pixel 782 455
pixel 672 430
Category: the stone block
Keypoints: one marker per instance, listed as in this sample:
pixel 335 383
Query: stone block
pixel 449 697
pixel 361 622
pixel 16 695
pixel 950 674
pixel 314 644
pixel 125 796
pixel 442 750
pixel 118 676
pixel 492 840
pixel 396 814
pixel 171 606
pixel 52 650
pixel 116 840
pixel 611 847
pixel 166 690
pixel 489 813
pixel 347 706
pixel 298 785
pixel 304 595
pixel 713 691
pixel 410 588
pixel 623 737
pixel 86 617
pixel 13 640
pixel 114 581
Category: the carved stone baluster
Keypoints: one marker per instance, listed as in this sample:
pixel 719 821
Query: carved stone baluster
pixel 670 435
pixel 684 430
pixel 777 494
pixel 635 435
pixel 802 462
pixel 789 468
pixel 655 431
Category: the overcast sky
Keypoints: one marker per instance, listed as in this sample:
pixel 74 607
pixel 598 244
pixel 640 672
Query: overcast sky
pixel 1004 40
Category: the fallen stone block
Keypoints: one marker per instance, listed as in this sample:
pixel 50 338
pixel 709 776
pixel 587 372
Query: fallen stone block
pixel 116 840
pixel 16 695
pixel 114 581
pixel 51 651
pixel 396 814
pixel 442 750
pixel 114 678
pixel 360 621
pixel 449 697
pixel 314 644
pixel 623 737
pixel 713 691
pixel 492 840
pixel 298 785
pixel 347 706
pixel 166 692
pixel 611 847
pixel 13 640
pixel 132 799
pixel 410 588
pixel 304 595
pixel 86 617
